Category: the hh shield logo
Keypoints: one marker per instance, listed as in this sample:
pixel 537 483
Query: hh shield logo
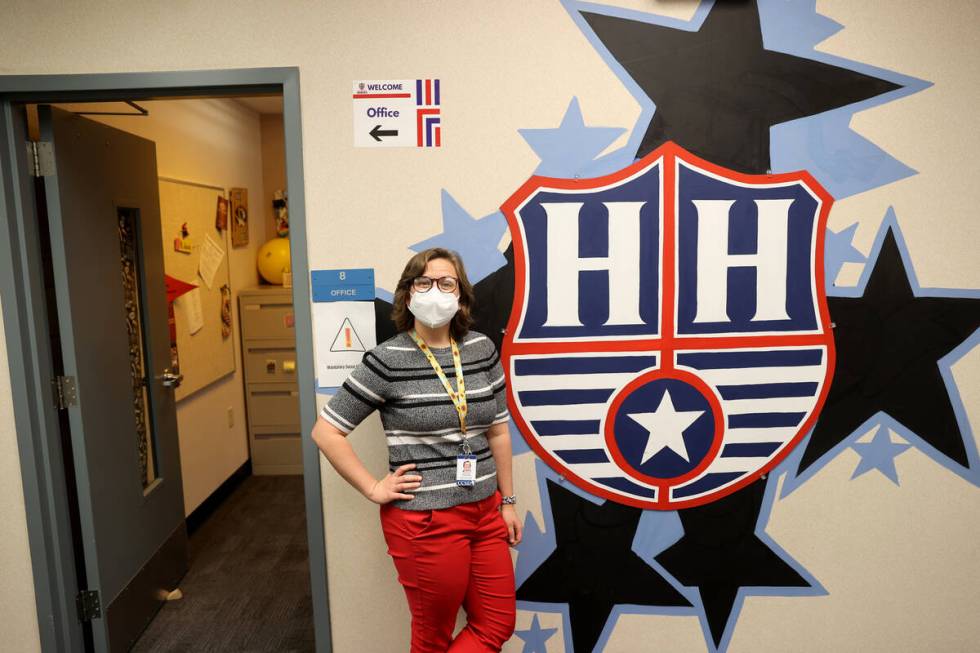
pixel 669 341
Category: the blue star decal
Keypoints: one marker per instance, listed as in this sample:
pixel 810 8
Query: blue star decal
pixel 879 454
pixel 535 547
pixel 535 637
pixel 844 162
pixel 474 239
pixel 838 250
pixel 657 531
pixel 518 444
pixel 570 150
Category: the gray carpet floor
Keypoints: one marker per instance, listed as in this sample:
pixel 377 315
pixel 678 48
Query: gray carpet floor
pixel 248 588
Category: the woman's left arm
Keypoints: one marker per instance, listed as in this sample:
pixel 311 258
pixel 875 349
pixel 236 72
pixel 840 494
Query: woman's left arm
pixel 498 436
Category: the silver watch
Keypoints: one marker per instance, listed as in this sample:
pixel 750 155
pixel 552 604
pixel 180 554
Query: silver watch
pixel 508 501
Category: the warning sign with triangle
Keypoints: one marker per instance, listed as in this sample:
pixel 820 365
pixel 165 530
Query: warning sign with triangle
pixel 347 338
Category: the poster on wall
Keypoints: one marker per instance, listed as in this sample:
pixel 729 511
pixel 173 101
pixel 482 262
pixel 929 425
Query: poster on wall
pixel 239 216
pixel 343 322
pixel 397 113
pixel 221 214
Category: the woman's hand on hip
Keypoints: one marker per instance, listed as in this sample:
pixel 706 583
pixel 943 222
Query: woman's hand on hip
pixel 514 528
pixel 395 485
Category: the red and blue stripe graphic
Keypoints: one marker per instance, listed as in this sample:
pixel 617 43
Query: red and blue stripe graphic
pixel 428 116
pixel 427 92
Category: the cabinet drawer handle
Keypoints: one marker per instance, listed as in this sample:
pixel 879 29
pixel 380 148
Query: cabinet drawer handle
pixel 275 393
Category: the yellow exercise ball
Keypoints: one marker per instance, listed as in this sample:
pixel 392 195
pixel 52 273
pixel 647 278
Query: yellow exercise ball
pixel 273 260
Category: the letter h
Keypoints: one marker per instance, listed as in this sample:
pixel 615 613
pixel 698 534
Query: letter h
pixel 564 263
pixel 769 260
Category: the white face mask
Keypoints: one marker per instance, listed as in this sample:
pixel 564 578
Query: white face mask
pixel 435 308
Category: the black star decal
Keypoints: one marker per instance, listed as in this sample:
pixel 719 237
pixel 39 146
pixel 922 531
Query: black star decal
pixel 593 567
pixel 889 343
pixel 718 91
pixel 720 553
pixel 383 326
pixel 494 297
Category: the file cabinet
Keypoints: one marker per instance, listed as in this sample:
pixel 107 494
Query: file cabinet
pixel 271 391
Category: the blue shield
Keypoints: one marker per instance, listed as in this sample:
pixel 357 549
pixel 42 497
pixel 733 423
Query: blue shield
pixel 669 340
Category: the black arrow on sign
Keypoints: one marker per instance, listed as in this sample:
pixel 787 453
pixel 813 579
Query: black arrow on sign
pixel 377 132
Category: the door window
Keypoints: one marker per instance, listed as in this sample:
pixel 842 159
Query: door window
pixel 131 273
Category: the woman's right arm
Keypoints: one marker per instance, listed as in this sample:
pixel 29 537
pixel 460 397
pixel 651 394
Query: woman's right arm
pixel 334 445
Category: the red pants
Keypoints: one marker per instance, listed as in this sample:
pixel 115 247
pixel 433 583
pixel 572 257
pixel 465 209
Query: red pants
pixel 452 557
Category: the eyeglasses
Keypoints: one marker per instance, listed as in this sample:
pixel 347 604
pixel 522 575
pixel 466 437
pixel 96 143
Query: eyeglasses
pixel 424 284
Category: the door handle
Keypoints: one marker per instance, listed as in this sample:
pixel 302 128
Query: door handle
pixel 170 379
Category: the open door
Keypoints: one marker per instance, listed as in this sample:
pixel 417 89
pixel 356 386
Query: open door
pixel 107 265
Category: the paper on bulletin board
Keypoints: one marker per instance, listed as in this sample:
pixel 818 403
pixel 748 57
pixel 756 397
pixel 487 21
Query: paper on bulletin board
pixel 190 306
pixel 344 331
pixel 210 259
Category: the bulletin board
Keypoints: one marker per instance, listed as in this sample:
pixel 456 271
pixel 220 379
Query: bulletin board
pixel 206 355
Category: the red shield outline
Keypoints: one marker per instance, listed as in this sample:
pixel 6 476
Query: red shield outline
pixel 669 341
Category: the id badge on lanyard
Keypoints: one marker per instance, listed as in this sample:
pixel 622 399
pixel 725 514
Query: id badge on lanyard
pixel 465 470
pixel 465 461
pixel 465 465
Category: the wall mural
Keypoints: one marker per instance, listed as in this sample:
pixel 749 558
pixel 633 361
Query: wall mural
pixel 675 340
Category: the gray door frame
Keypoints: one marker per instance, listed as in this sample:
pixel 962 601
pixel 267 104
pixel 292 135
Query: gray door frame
pixel 29 353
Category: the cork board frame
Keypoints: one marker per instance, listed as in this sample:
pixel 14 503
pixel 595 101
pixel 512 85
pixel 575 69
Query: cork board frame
pixel 206 355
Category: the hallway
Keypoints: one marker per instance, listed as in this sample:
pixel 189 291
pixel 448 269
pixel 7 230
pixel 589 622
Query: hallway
pixel 248 588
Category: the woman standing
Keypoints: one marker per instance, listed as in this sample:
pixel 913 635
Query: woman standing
pixel 447 503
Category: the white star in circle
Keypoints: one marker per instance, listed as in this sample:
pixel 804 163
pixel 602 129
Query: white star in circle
pixel 666 428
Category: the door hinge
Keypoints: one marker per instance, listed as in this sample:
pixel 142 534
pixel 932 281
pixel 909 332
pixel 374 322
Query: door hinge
pixel 40 158
pixel 89 605
pixel 65 393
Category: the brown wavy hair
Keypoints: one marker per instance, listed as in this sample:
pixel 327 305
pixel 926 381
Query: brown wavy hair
pixel 403 318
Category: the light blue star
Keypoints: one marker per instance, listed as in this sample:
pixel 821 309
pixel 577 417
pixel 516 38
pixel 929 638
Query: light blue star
pixel 879 454
pixel 842 160
pixel 535 637
pixel 518 444
pixel 795 25
pixel 570 150
pixel 535 547
pixel 657 531
pixel 474 239
pixel 838 250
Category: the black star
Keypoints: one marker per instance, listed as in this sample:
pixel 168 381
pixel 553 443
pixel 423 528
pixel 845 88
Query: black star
pixel 720 553
pixel 593 567
pixel 888 344
pixel 494 297
pixel 718 91
pixel 384 327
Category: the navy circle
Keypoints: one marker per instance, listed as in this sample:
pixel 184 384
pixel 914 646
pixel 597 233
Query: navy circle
pixel 631 437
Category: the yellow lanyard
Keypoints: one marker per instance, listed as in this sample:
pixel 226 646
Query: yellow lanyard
pixel 458 396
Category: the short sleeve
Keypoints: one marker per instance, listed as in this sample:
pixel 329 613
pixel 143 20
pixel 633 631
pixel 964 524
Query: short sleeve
pixel 498 384
pixel 362 393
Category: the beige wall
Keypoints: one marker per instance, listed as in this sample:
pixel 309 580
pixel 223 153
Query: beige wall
pixel 899 563
pixel 273 165
pixel 215 142
pixel 19 630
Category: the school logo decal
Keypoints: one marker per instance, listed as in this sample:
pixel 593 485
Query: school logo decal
pixel 669 340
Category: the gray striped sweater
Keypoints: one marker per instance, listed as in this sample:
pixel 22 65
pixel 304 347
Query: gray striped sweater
pixel 420 422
